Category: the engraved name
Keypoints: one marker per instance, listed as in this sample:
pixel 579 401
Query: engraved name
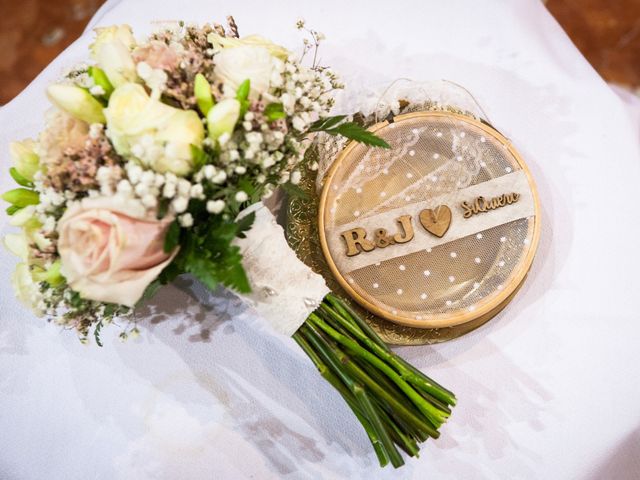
pixel 481 204
pixel 435 222
pixel 357 241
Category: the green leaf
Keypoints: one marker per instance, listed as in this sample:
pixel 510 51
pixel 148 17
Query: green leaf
pixel 100 78
pixel 274 111
pixel 358 133
pixel 111 309
pixel 242 93
pixel 202 92
pixel 351 130
pixel 163 208
pixel 198 156
pixel 172 238
pixel 244 224
pixel 13 209
pixel 20 180
pixel 205 271
pixel 236 277
pixel 21 197
pixel 295 191
pixel 326 123
pixel 150 291
pixel 226 270
pixel 96 333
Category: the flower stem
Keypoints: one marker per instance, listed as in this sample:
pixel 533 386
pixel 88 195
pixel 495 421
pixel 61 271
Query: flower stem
pixel 397 405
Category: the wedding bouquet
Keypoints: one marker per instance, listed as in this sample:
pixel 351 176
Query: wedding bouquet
pixel 153 163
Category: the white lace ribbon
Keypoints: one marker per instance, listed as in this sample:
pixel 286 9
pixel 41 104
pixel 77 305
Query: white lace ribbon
pixel 284 290
pixel 516 182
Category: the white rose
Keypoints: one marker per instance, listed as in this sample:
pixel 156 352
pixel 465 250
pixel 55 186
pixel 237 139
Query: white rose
pixel 220 42
pixel 112 52
pixel 183 129
pixel 235 65
pixel 121 33
pixel 132 115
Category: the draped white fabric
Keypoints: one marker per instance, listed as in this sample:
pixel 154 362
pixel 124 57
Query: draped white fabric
pixel 549 389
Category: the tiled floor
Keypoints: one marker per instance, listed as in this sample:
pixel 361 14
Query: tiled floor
pixel 33 32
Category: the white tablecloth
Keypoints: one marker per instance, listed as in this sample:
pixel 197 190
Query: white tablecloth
pixel 549 389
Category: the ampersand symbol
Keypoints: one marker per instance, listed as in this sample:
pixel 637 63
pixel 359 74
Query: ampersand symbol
pixel 382 239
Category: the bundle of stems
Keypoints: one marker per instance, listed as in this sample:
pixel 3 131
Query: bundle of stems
pixel 397 405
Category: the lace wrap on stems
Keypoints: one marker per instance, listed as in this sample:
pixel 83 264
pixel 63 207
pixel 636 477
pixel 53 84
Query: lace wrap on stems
pixel 284 290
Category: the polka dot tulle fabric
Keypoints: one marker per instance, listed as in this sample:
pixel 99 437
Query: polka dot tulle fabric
pixel 434 157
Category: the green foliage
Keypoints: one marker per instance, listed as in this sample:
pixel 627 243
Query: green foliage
pixel 336 126
pixel 163 208
pixel 172 238
pixel 207 252
pixel 96 333
pixel 325 124
pixel 150 291
pixel 13 209
pixel 199 157
pixel 243 90
pixel 100 78
pixel 242 94
pixel 274 111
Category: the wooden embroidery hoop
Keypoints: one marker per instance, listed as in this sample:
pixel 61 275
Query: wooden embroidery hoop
pixel 485 309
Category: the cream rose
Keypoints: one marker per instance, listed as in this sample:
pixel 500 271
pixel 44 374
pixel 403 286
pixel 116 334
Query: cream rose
pixel 112 52
pixel 111 249
pixel 235 65
pixel 158 135
pixel 219 42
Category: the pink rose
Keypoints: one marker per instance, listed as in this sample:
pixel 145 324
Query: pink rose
pixel 111 249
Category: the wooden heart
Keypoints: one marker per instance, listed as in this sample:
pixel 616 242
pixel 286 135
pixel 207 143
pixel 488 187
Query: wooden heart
pixel 437 220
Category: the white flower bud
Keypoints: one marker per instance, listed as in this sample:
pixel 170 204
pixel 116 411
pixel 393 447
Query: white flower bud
pixel 77 102
pixel 241 196
pixel 124 187
pixel 219 178
pixel 134 172
pixel 170 177
pixel 169 190
pixel 222 118
pixel 209 171
pixel 186 220
pixel 197 191
pixel 298 123
pixel 215 206
pixel 180 204
pixel 184 187
pixel 141 189
pixel 149 201
pixel 148 178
